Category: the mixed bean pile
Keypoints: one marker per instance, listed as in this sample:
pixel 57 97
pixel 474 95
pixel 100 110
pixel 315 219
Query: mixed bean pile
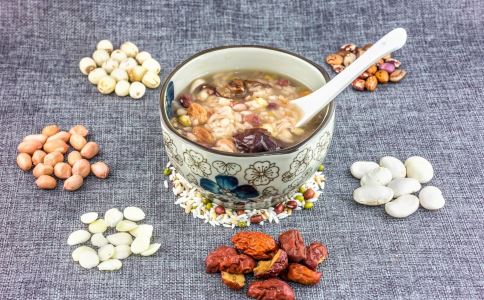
pixel 247 111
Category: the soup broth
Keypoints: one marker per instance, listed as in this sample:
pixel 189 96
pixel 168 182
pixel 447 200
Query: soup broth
pixel 243 111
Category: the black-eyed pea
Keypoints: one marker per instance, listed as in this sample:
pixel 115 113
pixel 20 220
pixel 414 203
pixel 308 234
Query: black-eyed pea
pixel 90 150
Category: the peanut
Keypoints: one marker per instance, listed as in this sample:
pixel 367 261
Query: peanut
pixel 29 147
pixel 371 83
pixel 382 76
pixel 62 170
pixel 73 183
pixel 53 158
pixel 81 167
pixel 73 157
pixel 61 135
pixel 56 145
pixel 42 169
pixel 24 161
pixel 90 150
pixel 38 157
pixel 100 169
pixel 35 137
pixel 77 141
pixel 50 130
pixel 46 182
pixel 80 130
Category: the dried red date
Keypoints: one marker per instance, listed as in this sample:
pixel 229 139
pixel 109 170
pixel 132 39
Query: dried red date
pixel 316 253
pixel 273 267
pixel 185 100
pixel 270 289
pixel 214 258
pixel 292 242
pixel 303 275
pixel 237 264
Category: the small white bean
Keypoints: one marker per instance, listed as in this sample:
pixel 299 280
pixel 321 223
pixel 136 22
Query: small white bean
pixel 126 225
pixel 112 217
pixel 431 198
pixel 142 230
pixel 140 244
pixel 98 240
pixel 110 265
pixel 105 252
pixel 120 238
pixel 88 259
pixel 373 195
pixel 419 168
pixel 402 207
pixel 377 176
pixel 89 217
pixel 360 168
pixel 122 251
pixel 394 165
pixel 403 186
pixel 77 252
pixel 151 249
pixel 98 226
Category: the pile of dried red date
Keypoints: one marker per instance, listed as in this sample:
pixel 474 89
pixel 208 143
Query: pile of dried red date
pixel 261 255
pixel 385 70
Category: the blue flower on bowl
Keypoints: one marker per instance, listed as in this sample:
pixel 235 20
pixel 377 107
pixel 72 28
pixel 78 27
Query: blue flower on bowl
pixel 229 186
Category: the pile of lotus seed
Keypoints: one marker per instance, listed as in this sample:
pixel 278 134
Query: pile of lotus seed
pixel 114 247
pixel 125 71
pixel 394 179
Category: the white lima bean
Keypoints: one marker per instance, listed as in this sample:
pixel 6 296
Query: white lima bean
pixel 396 166
pixel 360 168
pixel 373 195
pixel 120 238
pixel 122 251
pixel 99 240
pixel 403 186
pixel 419 168
pixel 402 207
pixel 126 225
pixel 105 252
pixel 133 213
pixel 378 176
pixel 88 259
pixel 78 237
pixel 110 265
pixel 151 249
pixel 89 217
pixel 113 216
pixel 140 244
pixel 431 198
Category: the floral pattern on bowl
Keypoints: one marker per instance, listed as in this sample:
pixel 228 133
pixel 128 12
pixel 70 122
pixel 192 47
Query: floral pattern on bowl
pixel 229 187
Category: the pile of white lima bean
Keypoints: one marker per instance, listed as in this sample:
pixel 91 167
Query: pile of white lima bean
pixel 380 184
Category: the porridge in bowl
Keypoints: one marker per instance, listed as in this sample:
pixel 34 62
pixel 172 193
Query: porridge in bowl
pixel 241 112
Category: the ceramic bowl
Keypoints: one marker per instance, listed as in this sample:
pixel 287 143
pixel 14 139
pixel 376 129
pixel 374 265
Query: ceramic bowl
pixel 245 180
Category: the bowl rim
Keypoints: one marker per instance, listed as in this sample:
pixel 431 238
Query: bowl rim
pixel 288 150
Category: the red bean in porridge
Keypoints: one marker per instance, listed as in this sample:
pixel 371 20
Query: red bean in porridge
pixel 244 111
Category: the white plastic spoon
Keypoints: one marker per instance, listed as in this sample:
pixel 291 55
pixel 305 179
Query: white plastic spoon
pixel 313 103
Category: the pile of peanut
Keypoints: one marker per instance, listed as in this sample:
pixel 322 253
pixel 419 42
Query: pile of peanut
pixel 47 152
pixel 385 70
pixel 258 253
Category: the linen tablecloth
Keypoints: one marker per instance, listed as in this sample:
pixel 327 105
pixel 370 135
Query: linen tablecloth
pixel 436 112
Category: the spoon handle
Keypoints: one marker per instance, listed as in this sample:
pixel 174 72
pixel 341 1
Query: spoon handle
pixel 392 41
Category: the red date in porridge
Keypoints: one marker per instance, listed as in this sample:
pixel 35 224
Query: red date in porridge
pixel 243 111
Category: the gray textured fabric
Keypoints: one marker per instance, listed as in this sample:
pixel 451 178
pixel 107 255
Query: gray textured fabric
pixel 436 112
